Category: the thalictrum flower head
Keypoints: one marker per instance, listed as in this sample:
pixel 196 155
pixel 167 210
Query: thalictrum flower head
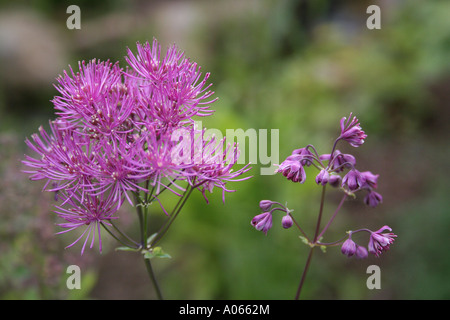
pixel 172 90
pixel 351 131
pixel 87 213
pixel 113 135
pixel 379 241
pixel 292 170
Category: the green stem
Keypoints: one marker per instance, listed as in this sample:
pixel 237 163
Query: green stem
pixel 151 274
pixel 143 227
pixel 124 235
pixel 142 219
pixel 176 210
pixel 117 238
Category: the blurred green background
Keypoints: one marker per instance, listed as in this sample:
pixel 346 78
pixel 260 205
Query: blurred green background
pixel 293 65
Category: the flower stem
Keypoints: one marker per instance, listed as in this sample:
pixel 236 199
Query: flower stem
pixel 135 246
pixel 176 210
pixel 305 270
pixel 151 274
pixel 319 218
pixel 333 216
pixel 308 260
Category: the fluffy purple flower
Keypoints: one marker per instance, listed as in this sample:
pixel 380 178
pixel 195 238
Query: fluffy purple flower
pixel 379 241
pixel 83 93
pixel 354 180
pixel 171 88
pixel 262 222
pixel 216 167
pixel 351 131
pixel 88 212
pixel 114 136
pixel 63 158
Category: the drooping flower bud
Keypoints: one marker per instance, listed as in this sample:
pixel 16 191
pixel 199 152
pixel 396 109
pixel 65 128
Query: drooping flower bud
pixel 266 205
pixel 354 180
pixel 371 179
pixel 361 252
pixel 334 180
pixel 287 221
pixel 373 199
pixel 323 177
pixel 262 222
pixel 348 247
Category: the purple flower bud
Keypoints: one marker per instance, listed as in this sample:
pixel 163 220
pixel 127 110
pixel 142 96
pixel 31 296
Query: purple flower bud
pixel 351 131
pixel 292 170
pixel 334 180
pixel 361 252
pixel 380 242
pixel 354 180
pixel 371 179
pixel 266 205
pixel 348 247
pixel 287 221
pixel 373 199
pixel 323 177
pixel 262 222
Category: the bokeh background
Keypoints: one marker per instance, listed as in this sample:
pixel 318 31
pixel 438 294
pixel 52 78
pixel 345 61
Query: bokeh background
pixel 293 65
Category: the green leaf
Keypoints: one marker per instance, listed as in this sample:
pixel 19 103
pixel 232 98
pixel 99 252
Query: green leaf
pixel 150 239
pixel 304 240
pixel 126 249
pixel 156 252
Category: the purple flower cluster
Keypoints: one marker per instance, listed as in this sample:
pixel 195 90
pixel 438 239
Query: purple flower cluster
pixel 378 243
pixel 117 132
pixel 337 170
pixel 332 165
pixel 263 221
